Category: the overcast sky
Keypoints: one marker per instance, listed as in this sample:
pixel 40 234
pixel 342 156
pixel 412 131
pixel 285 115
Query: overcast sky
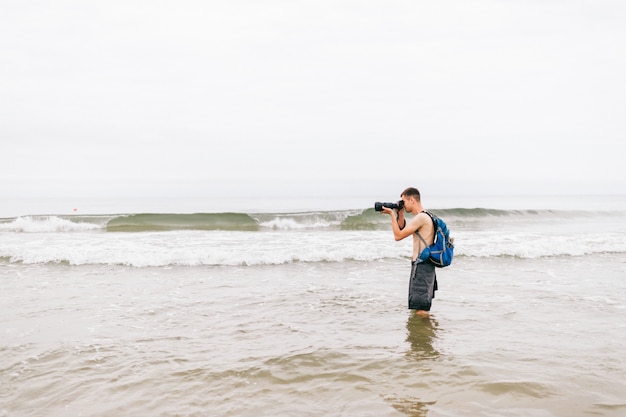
pixel 114 96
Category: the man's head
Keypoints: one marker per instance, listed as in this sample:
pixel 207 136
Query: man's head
pixel 409 196
pixel 411 192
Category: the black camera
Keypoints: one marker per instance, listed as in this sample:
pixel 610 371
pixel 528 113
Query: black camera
pixel 398 206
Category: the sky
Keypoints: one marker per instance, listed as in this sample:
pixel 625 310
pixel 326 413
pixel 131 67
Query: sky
pixel 116 98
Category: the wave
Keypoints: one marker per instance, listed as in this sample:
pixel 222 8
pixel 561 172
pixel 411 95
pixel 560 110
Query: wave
pixel 145 222
pixel 245 248
pixel 187 248
pixel 48 224
pixel 358 219
pixel 486 213
pixel 198 221
pixel 159 239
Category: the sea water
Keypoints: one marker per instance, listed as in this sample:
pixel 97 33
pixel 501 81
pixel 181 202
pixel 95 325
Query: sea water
pixel 302 311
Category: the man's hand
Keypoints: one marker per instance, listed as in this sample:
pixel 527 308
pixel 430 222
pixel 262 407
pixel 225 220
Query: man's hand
pixel 399 216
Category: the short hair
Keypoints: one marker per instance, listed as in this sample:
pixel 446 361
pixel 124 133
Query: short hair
pixel 411 192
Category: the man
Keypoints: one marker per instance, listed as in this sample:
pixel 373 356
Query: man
pixel 423 280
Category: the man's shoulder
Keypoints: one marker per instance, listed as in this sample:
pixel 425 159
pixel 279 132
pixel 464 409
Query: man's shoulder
pixel 424 219
pixel 424 215
pixel 421 219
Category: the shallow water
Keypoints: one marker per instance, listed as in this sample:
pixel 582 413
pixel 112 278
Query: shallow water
pixel 507 337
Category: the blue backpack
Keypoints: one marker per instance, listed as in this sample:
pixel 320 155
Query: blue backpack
pixel 440 253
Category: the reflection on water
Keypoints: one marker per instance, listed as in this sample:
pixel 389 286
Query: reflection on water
pixel 412 407
pixel 421 334
pixel 422 331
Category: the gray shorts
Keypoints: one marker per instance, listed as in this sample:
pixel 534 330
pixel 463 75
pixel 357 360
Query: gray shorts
pixel 422 285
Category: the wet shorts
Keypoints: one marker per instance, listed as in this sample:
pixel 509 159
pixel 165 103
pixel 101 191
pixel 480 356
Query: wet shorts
pixel 422 285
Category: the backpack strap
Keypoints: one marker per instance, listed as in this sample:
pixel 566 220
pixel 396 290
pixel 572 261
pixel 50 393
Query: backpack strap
pixel 422 239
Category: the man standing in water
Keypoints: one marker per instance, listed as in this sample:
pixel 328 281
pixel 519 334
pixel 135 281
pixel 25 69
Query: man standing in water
pixel 423 281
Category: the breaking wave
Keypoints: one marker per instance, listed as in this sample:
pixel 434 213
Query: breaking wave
pixel 159 239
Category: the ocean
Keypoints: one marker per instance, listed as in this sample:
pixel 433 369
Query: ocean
pixel 298 308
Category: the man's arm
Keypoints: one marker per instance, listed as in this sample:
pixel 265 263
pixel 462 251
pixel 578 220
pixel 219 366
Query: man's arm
pixel 406 230
pixel 401 220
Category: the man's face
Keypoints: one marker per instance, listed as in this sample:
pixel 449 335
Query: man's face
pixel 407 203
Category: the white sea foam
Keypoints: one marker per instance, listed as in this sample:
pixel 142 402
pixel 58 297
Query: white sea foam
pixel 197 248
pixel 281 238
pixel 45 224
pixel 270 248
pixel 283 223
